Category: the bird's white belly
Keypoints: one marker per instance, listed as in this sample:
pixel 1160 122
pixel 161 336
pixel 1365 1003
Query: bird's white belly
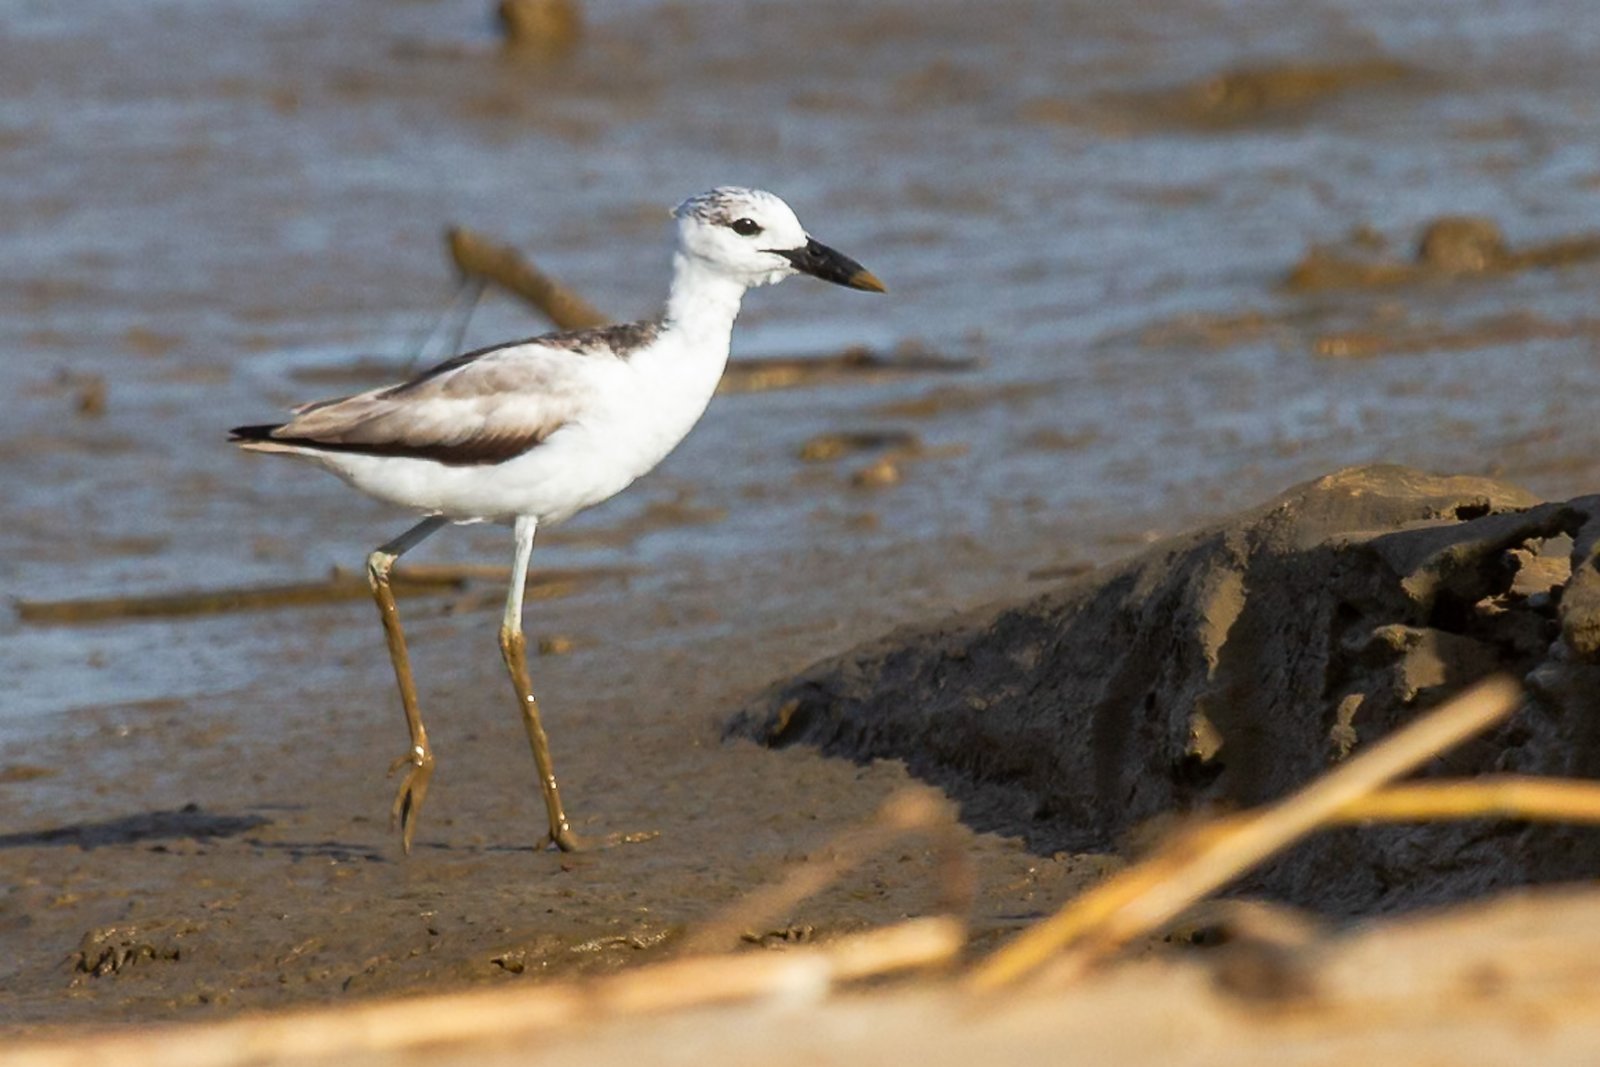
pixel 639 416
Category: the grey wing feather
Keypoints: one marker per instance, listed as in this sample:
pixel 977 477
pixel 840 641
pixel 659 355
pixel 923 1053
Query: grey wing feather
pixel 484 410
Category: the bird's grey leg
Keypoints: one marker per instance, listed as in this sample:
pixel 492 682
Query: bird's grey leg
pixel 514 648
pixel 408 801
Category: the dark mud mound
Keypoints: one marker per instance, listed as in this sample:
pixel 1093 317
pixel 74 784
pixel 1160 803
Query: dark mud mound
pixel 1228 666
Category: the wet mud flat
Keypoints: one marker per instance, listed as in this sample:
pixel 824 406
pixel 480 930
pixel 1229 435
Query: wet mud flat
pixel 247 872
pixel 195 817
pixel 1281 990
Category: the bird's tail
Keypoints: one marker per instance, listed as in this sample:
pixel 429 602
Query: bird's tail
pixel 253 433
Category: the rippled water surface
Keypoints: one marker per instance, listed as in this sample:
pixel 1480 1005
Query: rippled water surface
pixel 201 201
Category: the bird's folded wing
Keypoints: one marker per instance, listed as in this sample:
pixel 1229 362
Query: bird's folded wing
pixel 485 410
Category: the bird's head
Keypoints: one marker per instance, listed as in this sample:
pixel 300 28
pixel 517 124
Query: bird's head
pixel 753 237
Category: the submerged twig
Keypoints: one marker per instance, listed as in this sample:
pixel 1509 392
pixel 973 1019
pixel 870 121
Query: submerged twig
pixel 477 256
pixel 416 580
pixel 856 364
pixel 1201 860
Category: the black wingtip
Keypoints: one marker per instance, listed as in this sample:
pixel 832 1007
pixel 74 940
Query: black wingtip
pixel 252 433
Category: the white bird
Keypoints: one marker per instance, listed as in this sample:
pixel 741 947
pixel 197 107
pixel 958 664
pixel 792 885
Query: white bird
pixel 534 431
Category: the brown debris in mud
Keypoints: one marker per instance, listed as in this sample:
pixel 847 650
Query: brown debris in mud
pixel 87 391
pixel 12 773
pixel 953 399
pixel 859 364
pixel 557 645
pixel 1388 329
pixel 878 474
pixel 1450 247
pixel 895 447
pixel 1213 330
pixel 112 949
pixel 657 515
pixel 544 29
pixel 825 447
pixel 1402 338
pixel 1226 100
pixel 1235 97
pixel 91 393
pixel 888 467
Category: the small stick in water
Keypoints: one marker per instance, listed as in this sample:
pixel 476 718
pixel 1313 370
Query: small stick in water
pixel 547 29
pixel 341 585
pixel 478 257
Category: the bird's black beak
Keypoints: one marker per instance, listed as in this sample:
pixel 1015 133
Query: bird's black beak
pixel 820 261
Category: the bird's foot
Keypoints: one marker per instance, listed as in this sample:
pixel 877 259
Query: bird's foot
pixel 567 840
pixel 413 790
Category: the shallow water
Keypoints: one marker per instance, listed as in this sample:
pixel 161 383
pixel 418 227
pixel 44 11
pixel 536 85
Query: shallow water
pixel 203 199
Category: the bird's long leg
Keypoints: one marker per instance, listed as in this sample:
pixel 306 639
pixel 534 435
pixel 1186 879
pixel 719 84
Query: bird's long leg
pixel 419 759
pixel 514 647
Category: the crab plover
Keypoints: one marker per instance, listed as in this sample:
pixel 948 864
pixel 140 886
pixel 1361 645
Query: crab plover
pixel 534 431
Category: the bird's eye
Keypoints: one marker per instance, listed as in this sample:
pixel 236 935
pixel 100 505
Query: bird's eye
pixel 745 227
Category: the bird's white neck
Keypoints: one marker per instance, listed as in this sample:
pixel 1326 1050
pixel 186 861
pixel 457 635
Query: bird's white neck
pixel 703 302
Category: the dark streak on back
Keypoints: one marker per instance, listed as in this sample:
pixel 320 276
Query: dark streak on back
pixel 621 340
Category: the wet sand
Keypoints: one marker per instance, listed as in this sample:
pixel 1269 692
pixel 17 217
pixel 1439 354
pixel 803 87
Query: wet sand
pixel 1101 205
pixel 251 865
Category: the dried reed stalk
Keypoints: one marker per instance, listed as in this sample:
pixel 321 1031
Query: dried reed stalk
pixel 803 972
pixel 1496 797
pixel 1202 860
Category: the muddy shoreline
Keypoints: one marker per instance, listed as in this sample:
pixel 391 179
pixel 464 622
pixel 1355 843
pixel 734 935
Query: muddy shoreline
pixel 210 875
pixel 1096 210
